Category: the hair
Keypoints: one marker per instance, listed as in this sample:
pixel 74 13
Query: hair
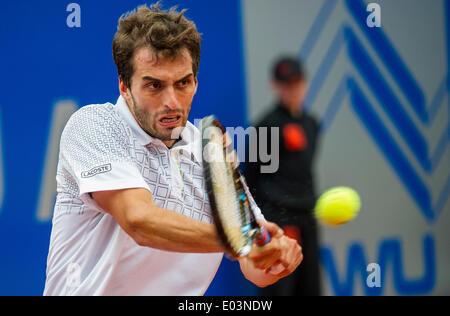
pixel 166 33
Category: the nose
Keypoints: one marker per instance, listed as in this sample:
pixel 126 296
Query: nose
pixel 170 100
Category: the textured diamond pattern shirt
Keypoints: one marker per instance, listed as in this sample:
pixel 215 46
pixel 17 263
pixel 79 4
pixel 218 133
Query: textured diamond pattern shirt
pixel 103 148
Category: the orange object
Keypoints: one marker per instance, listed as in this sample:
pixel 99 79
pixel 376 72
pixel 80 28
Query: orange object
pixel 292 232
pixel 294 137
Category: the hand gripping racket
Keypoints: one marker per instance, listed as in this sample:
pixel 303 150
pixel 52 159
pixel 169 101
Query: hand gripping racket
pixel 232 205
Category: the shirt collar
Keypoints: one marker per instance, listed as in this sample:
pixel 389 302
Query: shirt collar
pixel 124 111
pixel 190 135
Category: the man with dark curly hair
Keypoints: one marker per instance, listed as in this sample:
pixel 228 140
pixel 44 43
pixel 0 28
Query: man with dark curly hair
pixel 132 216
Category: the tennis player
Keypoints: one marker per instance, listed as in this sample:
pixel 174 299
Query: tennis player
pixel 132 216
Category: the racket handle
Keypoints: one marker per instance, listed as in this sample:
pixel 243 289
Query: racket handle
pixel 262 237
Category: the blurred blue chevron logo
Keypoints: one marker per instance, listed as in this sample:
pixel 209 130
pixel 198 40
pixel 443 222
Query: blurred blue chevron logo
pixel 1 164
pixel 374 80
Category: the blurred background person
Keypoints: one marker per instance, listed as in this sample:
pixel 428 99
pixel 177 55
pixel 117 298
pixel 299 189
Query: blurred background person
pixel 288 195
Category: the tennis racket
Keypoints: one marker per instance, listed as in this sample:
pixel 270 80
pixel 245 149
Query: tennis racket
pixel 232 205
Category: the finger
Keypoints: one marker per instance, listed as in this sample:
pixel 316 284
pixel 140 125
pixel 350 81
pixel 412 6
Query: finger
pixel 267 261
pixel 276 269
pixel 264 257
pixel 296 259
pixel 291 259
pixel 265 264
pixel 289 269
pixel 273 229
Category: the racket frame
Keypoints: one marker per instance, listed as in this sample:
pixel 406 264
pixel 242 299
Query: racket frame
pixel 250 229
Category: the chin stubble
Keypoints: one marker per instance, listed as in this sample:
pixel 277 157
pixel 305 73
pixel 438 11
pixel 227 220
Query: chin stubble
pixel 145 119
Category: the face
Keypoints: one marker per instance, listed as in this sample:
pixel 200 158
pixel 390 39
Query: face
pixel 161 92
pixel 292 93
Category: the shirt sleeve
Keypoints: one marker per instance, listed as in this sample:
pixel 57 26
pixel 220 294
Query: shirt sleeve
pixel 97 148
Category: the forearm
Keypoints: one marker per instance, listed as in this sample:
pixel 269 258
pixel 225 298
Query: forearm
pixel 167 230
pixel 151 226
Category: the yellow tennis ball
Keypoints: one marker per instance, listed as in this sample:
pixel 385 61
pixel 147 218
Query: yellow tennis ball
pixel 337 206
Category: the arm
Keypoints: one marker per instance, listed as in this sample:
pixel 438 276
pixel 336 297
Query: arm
pixel 154 227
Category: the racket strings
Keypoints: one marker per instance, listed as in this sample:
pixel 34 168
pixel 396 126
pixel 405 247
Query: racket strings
pixel 227 199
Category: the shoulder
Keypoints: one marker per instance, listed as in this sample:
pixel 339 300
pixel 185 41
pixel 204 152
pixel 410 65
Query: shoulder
pixel 312 120
pixel 95 121
pixel 311 117
pixel 271 118
pixel 93 113
pixel 95 116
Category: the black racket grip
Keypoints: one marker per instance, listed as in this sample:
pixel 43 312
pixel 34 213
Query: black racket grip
pixel 262 237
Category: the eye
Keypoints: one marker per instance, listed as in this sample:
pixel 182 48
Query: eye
pixel 184 82
pixel 154 85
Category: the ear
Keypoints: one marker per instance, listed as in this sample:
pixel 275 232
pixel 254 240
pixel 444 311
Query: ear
pixel 125 92
pixel 123 89
pixel 196 84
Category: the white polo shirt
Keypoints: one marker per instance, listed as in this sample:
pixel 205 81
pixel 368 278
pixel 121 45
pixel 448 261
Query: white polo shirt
pixel 103 148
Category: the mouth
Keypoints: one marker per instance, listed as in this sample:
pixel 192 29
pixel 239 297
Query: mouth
pixel 170 120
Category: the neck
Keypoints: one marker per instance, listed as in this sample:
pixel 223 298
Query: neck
pixel 294 111
pixel 169 143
